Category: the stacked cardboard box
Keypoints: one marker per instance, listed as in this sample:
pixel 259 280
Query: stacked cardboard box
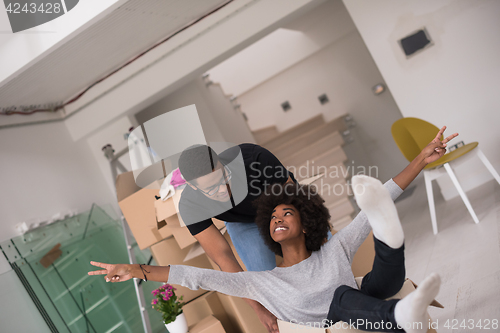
pixel 156 224
pixel 208 325
pixel 138 208
pixel 207 305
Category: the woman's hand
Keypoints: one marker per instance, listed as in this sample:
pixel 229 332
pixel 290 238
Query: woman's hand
pixel 114 273
pixel 431 153
pixel 436 148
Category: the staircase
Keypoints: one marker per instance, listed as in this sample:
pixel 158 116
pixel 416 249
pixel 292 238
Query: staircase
pixel 314 148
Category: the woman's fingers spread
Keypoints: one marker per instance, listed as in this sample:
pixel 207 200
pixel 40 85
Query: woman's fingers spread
pixel 441 131
pixel 450 137
pixel 98 272
pixel 99 264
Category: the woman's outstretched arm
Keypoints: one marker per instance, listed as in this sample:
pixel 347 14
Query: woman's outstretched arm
pixel 235 284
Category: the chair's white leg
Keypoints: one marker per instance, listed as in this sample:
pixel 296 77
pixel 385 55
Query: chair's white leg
pixel 430 198
pixel 488 165
pixel 461 192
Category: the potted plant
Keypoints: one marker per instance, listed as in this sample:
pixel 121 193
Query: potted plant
pixel 170 307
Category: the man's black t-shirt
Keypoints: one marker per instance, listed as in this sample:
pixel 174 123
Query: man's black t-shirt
pixel 261 168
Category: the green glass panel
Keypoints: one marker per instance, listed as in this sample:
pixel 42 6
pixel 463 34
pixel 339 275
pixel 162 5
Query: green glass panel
pixel 75 301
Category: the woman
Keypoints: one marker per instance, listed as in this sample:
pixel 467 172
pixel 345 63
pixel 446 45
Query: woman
pixel 314 272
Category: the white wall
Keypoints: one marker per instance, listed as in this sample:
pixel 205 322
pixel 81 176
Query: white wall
pixel 219 121
pixel 112 134
pixel 455 82
pixel 345 71
pixel 44 172
pixel 230 122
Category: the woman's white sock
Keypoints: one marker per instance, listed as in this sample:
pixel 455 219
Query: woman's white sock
pixel 411 311
pixel 376 202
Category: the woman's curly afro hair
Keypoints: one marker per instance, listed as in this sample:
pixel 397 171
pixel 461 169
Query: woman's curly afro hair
pixel 314 216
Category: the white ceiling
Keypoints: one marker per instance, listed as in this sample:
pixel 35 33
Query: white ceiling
pixel 124 33
pixel 283 48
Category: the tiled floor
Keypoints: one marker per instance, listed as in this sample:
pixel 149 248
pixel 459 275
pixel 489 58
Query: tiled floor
pixel 465 254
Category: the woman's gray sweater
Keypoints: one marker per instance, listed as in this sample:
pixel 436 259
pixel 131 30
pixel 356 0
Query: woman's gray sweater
pixel 301 293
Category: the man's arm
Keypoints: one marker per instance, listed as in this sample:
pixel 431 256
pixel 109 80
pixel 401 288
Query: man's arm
pixel 217 249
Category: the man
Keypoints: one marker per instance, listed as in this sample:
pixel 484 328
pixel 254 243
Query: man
pixel 224 186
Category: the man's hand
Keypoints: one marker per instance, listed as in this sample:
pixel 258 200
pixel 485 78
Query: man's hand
pixel 266 318
pixel 437 148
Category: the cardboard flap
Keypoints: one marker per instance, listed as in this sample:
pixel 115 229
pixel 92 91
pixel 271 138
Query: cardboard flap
pixel 218 223
pixel 125 185
pixel 195 251
pixel 183 236
pixel 208 325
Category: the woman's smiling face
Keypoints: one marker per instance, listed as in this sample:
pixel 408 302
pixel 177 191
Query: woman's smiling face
pixel 285 223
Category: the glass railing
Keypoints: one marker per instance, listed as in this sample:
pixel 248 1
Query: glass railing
pixel 56 278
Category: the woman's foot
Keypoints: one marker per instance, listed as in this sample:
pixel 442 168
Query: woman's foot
pixel 411 311
pixel 376 202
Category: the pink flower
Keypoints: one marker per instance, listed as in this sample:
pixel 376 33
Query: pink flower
pixel 155 301
pixel 168 287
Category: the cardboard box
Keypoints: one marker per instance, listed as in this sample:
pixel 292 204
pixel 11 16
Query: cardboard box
pixel 167 252
pixel 182 234
pixel 208 325
pixel 149 219
pixel 242 316
pixel 362 262
pixel 286 327
pixel 207 305
pixel 138 208
pixel 169 207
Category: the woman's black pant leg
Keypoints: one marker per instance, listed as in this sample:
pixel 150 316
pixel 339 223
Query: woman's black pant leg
pixel 363 312
pixel 388 272
pixel 366 307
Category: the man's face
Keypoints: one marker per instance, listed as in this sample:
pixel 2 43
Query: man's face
pixel 216 185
